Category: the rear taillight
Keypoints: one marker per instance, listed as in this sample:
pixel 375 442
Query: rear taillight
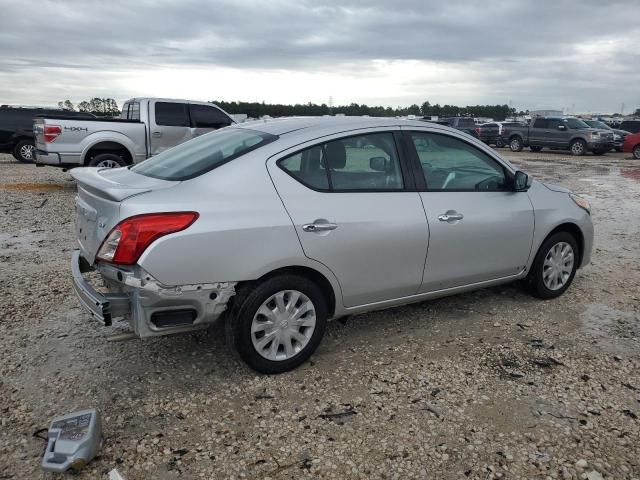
pixel 126 242
pixel 477 130
pixel 505 131
pixel 51 132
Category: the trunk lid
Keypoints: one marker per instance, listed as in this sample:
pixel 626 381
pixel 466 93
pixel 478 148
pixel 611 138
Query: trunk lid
pixel 101 192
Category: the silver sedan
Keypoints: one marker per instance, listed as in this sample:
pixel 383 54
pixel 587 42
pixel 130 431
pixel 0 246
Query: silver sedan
pixel 277 227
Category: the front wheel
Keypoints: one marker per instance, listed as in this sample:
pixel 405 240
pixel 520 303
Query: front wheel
pixel 277 325
pixel 554 267
pixel 578 147
pixel 515 144
pixel 24 151
pixel 636 152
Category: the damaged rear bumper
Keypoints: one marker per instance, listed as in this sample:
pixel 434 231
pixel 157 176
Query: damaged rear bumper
pixel 151 308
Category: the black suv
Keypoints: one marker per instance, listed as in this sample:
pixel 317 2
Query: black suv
pixel 16 129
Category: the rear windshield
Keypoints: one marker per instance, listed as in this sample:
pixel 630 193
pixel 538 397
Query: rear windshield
pixel 200 155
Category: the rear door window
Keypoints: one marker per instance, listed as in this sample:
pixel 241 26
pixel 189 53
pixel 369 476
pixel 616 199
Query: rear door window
pixel 172 114
pixel 204 116
pixel 359 163
pixel 541 123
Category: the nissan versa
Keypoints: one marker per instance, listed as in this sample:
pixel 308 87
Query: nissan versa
pixel 277 227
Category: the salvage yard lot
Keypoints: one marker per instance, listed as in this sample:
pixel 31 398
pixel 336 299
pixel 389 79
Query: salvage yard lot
pixel 491 384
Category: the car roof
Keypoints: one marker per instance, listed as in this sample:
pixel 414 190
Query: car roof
pixel 282 126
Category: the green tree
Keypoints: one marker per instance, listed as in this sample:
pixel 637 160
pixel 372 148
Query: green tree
pixel 637 112
pixel 66 105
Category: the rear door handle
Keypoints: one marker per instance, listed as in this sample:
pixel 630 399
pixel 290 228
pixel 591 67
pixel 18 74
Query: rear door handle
pixel 450 216
pixel 319 227
pixel 156 134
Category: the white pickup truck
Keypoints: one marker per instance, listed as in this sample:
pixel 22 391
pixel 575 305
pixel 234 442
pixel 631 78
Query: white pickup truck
pixel 146 127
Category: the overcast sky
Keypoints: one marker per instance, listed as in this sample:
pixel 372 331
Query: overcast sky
pixel 581 55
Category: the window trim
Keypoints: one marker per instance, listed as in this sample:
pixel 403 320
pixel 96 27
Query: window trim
pixel 421 181
pixel 407 178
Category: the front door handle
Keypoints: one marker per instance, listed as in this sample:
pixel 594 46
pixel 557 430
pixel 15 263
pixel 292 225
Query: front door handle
pixel 156 134
pixel 450 216
pixel 319 227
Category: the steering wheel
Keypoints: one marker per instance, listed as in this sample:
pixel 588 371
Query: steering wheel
pixel 447 181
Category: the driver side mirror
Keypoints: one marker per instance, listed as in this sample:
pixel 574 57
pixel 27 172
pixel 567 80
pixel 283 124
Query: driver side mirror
pixel 521 182
pixel 379 164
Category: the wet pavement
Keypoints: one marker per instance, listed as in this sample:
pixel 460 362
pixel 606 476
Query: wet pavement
pixel 490 384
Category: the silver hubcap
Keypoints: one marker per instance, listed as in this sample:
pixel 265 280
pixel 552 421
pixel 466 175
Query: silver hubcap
pixel 283 325
pixel 27 152
pixel 577 147
pixel 558 265
pixel 515 144
pixel 108 164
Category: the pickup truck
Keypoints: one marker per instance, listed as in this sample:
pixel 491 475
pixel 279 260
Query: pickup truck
pixel 486 133
pixel 146 127
pixel 562 133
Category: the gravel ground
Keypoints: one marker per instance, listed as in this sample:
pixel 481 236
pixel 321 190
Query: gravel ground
pixel 492 384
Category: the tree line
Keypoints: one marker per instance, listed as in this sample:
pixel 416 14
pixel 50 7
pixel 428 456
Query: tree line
pixel 257 110
pixel 102 107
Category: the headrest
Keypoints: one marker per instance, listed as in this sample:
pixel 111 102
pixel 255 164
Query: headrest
pixel 336 155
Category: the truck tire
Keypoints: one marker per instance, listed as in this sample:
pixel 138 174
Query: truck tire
pixel 515 144
pixel 24 151
pixel 535 149
pixel 499 143
pixel 107 160
pixel 578 147
pixel 636 152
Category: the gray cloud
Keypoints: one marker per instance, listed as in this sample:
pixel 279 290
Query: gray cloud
pixel 555 52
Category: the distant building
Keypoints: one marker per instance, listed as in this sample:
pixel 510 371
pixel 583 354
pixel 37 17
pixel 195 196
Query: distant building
pixel 546 113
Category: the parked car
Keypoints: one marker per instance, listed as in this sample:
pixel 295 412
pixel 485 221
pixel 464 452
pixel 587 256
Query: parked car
pixel 146 127
pixel 632 126
pixel 632 145
pixel 563 133
pixel 489 133
pixel 468 126
pixel 618 135
pixel 16 129
pixel 280 226
pixel 501 139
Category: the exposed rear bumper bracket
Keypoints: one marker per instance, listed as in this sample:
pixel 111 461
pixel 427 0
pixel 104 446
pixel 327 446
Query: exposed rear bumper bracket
pixel 100 306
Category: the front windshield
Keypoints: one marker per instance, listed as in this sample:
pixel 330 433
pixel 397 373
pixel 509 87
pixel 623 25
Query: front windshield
pixel 599 124
pixel 576 124
pixel 202 154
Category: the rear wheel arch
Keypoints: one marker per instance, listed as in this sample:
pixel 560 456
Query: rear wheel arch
pixel 112 147
pixel 315 276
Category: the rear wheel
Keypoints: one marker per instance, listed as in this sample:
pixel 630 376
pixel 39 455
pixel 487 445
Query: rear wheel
pixel 24 151
pixel 515 144
pixel 578 147
pixel 107 160
pixel 535 149
pixel 499 143
pixel 554 267
pixel 636 152
pixel 277 325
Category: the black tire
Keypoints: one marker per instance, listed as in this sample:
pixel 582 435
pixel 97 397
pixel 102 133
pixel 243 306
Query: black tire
pixel 499 143
pixel 515 144
pixel 636 152
pixel 24 151
pixel 535 278
pixel 578 147
pixel 107 160
pixel 618 149
pixel 245 306
pixel 535 149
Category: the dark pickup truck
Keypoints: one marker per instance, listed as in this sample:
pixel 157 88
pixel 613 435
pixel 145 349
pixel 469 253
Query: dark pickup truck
pixel 489 133
pixel 561 133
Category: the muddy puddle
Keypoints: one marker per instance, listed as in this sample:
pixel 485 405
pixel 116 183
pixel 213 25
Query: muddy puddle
pixel 35 187
pixel 613 330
